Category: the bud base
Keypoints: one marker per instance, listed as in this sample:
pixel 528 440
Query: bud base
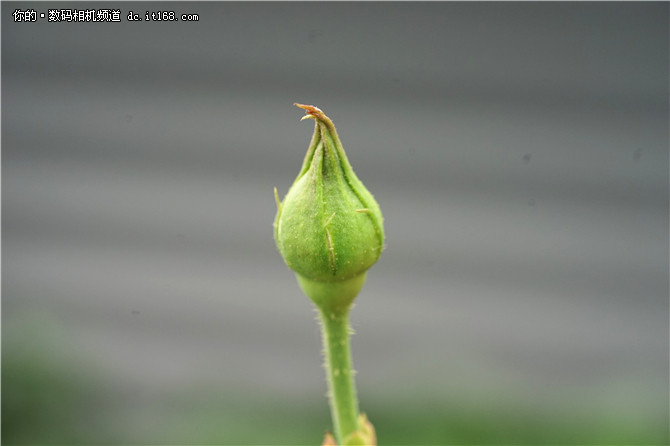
pixel 332 296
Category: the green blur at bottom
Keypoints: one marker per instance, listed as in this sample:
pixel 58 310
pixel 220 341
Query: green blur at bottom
pixel 62 408
pixel 52 397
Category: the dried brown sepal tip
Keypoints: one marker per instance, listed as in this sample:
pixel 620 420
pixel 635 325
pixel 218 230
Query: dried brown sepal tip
pixel 312 112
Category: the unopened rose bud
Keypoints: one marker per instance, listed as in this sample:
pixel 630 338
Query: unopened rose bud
pixel 329 228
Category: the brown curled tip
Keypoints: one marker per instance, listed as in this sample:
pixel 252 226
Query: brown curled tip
pixel 317 114
pixel 312 112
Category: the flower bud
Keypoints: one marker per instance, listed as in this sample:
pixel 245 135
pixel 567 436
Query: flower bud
pixel 329 228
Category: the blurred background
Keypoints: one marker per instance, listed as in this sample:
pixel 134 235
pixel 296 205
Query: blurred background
pixel 519 152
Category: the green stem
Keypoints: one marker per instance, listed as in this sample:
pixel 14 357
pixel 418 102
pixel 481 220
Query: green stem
pixel 341 388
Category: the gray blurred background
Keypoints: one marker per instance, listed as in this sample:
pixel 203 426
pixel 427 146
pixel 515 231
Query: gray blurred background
pixel 519 152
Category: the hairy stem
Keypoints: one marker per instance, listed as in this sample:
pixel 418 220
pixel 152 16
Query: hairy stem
pixel 341 388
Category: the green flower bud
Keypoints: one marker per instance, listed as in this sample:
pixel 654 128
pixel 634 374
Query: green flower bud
pixel 329 228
